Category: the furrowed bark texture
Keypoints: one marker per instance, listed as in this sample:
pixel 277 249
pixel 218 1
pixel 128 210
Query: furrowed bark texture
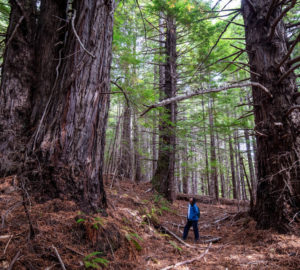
pixel 277 124
pixel 73 134
pixel 48 51
pixel 16 85
pixel 163 179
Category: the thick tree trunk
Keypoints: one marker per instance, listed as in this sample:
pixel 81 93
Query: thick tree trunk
pixel 73 133
pixel 16 85
pixel 277 120
pixel 163 179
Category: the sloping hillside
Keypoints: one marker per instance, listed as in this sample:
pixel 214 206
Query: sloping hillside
pixel 135 234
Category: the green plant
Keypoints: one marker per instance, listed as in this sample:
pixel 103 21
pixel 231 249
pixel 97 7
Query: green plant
pixel 80 220
pixel 94 261
pixel 174 245
pixel 134 237
pixel 98 222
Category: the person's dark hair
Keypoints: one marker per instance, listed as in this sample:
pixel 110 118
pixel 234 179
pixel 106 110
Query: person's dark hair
pixel 193 201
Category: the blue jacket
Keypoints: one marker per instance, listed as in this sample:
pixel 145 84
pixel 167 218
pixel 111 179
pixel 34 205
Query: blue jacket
pixel 193 212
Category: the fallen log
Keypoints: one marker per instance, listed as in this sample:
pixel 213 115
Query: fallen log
pixel 166 230
pixel 211 200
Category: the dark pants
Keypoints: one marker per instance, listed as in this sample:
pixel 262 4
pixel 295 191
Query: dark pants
pixel 187 227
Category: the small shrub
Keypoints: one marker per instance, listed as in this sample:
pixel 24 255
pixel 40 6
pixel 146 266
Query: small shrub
pixel 94 261
pixel 133 238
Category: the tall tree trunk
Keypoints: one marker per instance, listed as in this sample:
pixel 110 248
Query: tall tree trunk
pixel 250 163
pixel 163 179
pixel 17 75
pixel 73 133
pixel 220 167
pixel 237 165
pixel 277 117
pixel 241 171
pixel 136 145
pixel 125 165
pixel 205 148
pixel 185 173
pixel 213 159
pixel 231 154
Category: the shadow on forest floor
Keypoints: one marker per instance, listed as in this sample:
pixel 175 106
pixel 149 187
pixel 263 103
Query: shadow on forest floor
pixel 127 238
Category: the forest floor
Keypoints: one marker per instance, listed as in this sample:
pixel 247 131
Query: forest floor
pixel 128 238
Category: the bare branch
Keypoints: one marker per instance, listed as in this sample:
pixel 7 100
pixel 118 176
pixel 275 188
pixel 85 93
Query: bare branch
pixel 278 19
pixel 289 51
pixel 188 261
pixel 293 61
pixel 122 90
pixel 288 73
pixel 205 91
pixel 59 258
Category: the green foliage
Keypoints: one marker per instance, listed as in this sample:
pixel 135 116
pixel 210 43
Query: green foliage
pixel 175 246
pixel 134 238
pixel 94 261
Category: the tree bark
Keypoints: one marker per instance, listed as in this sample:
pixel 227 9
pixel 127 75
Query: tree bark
pixel 205 149
pixel 163 179
pixel 16 86
pixel 136 143
pixel 277 123
pixel 250 163
pixel 213 159
pixel 48 54
pixel 125 165
pixel 231 154
pixel 73 133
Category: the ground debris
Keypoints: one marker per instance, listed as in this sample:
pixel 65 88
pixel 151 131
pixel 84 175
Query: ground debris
pixel 129 240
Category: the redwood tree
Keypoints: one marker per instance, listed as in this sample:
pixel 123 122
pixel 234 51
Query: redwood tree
pixel 66 135
pixel 164 179
pixel 277 114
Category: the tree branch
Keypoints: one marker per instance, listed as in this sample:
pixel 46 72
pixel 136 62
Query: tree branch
pixel 271 33
pixel 289 51
pixel 288 73
pixel 122 90
pixel 188 261
pixel 205 91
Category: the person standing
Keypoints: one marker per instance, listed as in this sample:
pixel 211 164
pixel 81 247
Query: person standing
pixel 192 219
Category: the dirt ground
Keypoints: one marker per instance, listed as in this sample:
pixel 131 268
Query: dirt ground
pixel 128 238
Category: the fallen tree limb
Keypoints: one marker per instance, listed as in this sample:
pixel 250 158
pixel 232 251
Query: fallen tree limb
pixel 59 258
pixel 211 200
pixel 188 261
pixel 166 230
pixel 212 240
pixel 14 260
